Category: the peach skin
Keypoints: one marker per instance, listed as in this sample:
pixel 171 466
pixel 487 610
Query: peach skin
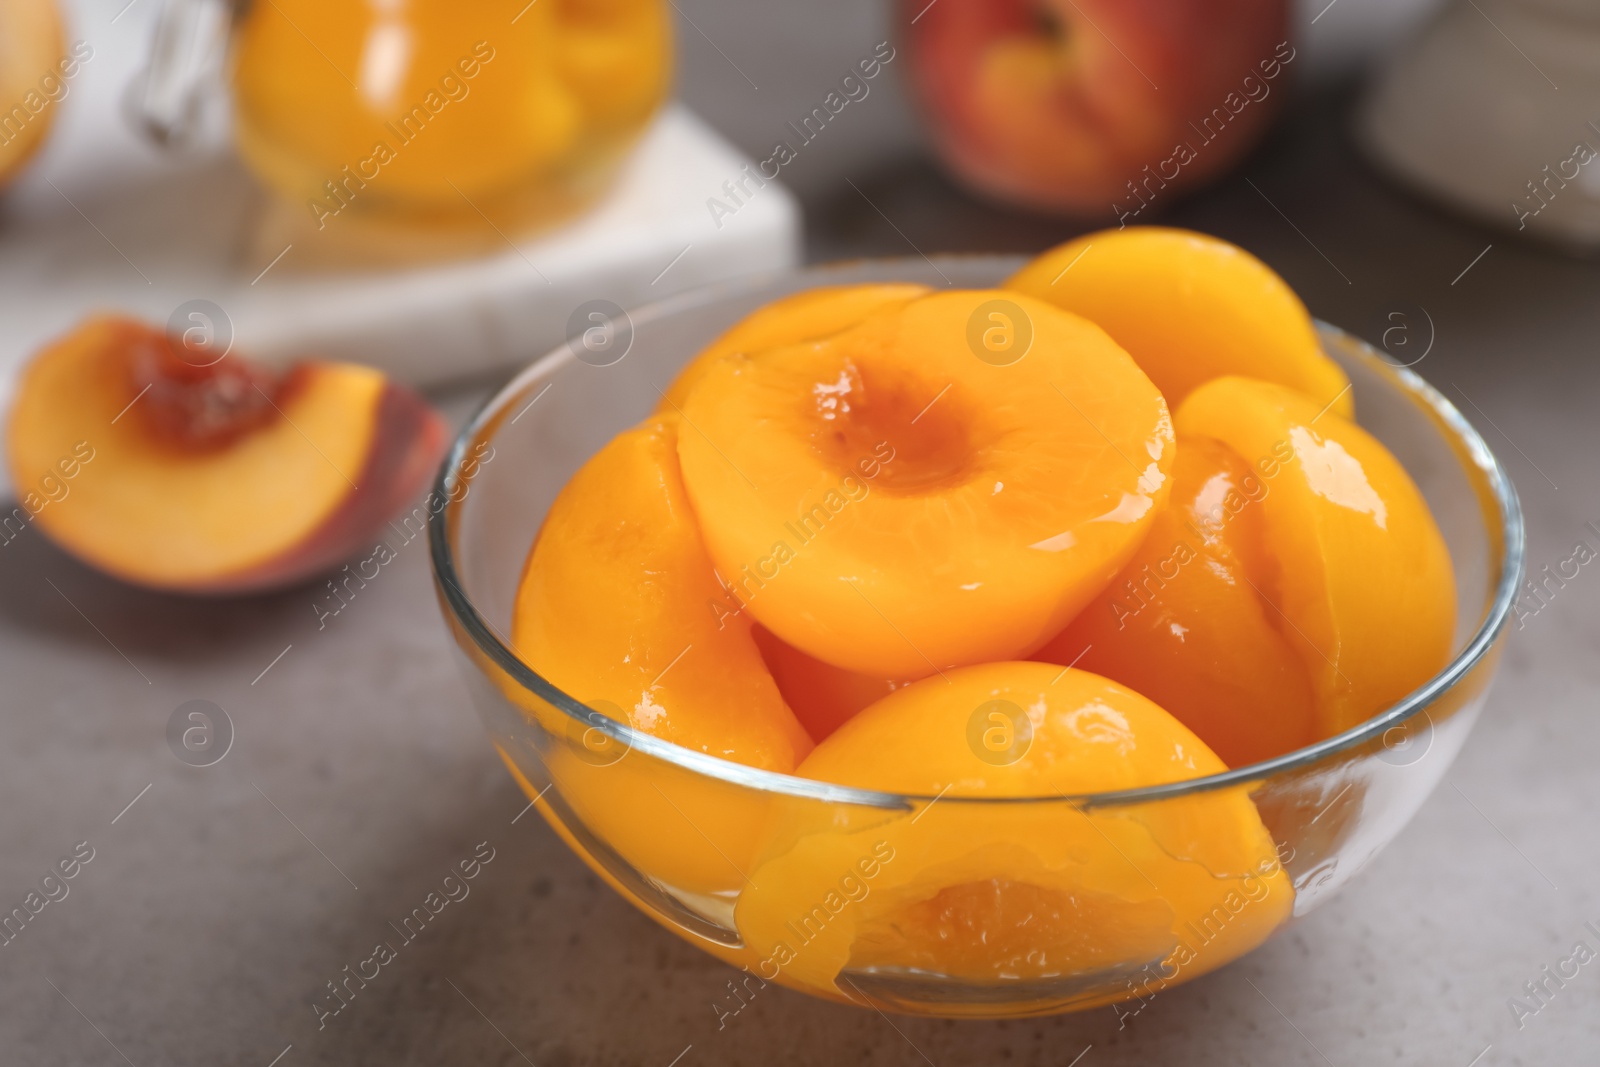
pixel 945 483
pixel 1185 623
pixel 1363 578
pixel 1188 308
pixel 1080 106
pixel 1051 897
pixel 210 475
pixel 809 315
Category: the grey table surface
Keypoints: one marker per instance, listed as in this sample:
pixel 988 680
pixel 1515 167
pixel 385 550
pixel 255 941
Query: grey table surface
pixel 220 900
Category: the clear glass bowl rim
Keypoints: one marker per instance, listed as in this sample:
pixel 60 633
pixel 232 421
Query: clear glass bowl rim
pixel 1473 448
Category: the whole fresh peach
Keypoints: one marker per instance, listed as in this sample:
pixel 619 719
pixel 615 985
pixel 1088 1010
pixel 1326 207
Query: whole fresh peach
pixel 1080 106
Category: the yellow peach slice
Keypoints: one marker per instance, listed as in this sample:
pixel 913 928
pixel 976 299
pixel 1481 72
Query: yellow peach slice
pixel 1186 625
pixel 615 608
pixel 809 315
pixel 615 58
pixel 435 111
pixel 945 483
pixel 823 696
pixel 211 476
pixel 1049 897
pixel 1363 576
pixel 1188 308
pixel 617 604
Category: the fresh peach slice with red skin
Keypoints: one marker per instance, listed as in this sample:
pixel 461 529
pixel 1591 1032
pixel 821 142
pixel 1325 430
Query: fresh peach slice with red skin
pixel 213 476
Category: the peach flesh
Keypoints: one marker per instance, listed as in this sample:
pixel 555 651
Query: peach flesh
pixel 221 478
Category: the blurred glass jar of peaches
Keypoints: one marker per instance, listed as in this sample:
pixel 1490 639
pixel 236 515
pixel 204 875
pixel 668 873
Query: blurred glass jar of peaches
pixel 434 113
pixel 31 57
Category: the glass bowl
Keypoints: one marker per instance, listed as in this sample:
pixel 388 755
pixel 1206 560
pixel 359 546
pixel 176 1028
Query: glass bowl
pixel 1058 903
